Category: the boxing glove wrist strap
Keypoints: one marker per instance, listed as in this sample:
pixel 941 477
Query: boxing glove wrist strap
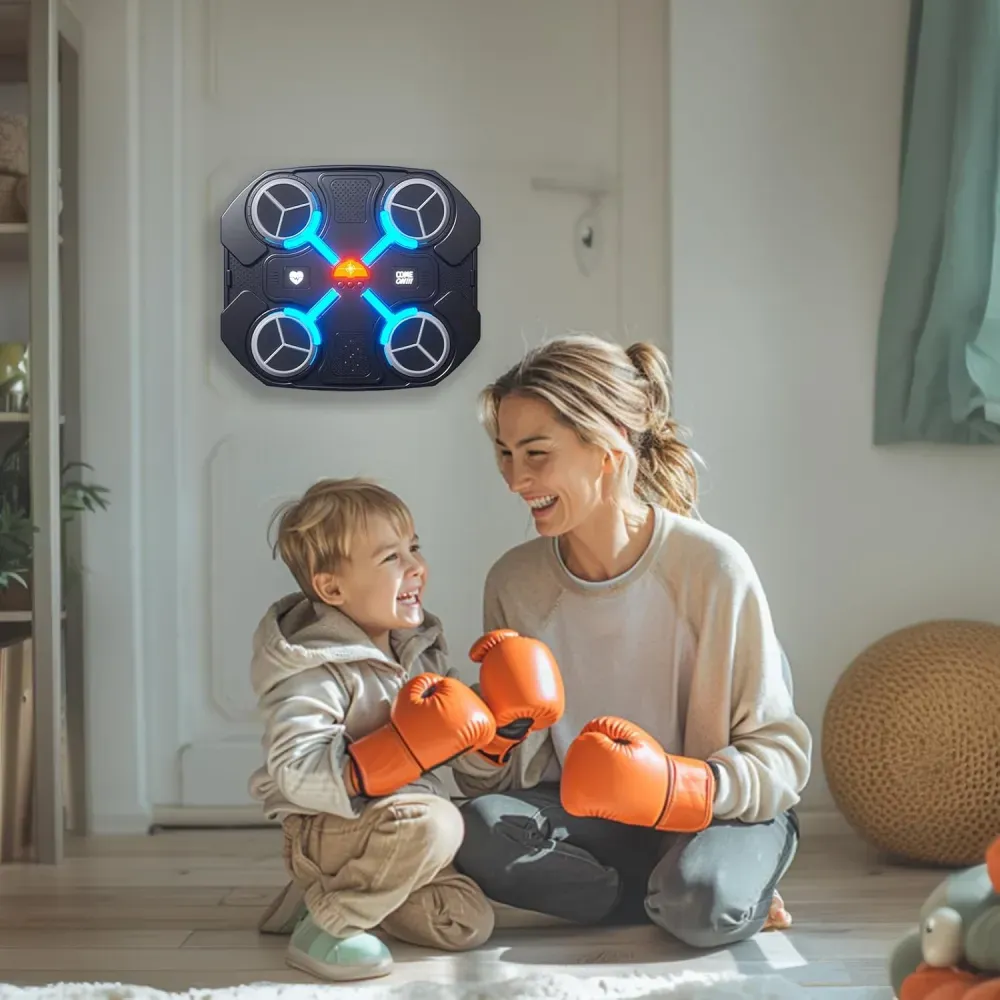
pixel 688 807
pixel 499 749
pixel 383 763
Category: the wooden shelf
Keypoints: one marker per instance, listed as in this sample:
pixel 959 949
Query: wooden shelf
pixel 11 617
pixel 19 417
pixel 40 43
pixel 14 241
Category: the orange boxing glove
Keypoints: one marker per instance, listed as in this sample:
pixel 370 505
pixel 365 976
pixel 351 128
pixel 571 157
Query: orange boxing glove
pixel 432 720
pixel 615 770
pixel 521 684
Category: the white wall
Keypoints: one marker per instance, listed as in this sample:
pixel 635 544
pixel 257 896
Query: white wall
pixel 785 135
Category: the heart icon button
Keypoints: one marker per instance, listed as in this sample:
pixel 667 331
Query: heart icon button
pixel 295 277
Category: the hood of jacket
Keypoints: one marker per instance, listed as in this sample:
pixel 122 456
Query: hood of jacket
pixel 297 634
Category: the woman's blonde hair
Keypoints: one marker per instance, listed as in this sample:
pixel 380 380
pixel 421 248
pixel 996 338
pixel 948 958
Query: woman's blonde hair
pixel 613 397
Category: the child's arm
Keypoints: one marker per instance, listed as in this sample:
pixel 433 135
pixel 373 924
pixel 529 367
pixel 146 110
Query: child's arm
pixel 305 741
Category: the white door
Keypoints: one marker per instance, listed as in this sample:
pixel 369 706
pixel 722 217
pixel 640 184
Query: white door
pixel 537 112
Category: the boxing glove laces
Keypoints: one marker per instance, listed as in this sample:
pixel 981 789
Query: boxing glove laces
pixel 615 770
pixel 520 682
pixel 432 720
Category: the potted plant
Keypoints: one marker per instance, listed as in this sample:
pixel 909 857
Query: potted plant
pixel 17 532
pixel 16 542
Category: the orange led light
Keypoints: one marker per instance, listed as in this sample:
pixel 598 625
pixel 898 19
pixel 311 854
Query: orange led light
pixel 350 269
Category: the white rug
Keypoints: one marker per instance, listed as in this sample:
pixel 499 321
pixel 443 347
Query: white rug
pixel 704 986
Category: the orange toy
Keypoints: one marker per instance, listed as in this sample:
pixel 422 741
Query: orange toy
pixel 955 952
pixel 993 863
pixel 929 983
pixel 987 991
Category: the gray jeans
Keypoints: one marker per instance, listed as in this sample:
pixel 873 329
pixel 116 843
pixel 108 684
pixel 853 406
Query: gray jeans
pixel 707 889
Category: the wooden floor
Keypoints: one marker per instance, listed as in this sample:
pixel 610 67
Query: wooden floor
pixel 179 909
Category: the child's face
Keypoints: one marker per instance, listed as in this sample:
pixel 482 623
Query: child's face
pixel 381 586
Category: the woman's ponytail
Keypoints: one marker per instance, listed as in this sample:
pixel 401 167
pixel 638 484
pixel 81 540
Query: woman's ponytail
pixel 666 472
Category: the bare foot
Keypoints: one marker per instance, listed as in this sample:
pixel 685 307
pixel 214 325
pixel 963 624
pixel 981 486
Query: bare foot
pixel 778 918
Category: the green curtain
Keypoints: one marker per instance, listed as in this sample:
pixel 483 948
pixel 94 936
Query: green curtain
pixel 938 358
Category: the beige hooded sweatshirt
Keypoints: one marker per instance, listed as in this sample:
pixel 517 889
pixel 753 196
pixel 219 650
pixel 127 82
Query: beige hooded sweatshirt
pixel 321 682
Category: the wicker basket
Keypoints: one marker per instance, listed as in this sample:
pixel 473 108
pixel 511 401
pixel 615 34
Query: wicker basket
pixel 11 208
pixel 13 143
pixel 911 742
pixel 23 192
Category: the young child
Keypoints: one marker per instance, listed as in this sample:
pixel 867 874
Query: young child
pixel 354 736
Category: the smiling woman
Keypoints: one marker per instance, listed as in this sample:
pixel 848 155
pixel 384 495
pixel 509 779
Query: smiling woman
pixel 583 433
pixel 665 790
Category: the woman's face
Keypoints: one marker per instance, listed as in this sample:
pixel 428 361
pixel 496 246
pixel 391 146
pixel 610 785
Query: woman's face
pixel 561 478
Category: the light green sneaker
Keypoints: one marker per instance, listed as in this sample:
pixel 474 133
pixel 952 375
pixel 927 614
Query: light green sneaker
pixel 361 956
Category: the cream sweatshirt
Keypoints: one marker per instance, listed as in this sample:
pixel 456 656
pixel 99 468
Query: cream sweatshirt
pixel 682 644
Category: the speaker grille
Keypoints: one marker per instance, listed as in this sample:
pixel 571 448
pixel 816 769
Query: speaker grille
pixel 350 198
pixel 349 357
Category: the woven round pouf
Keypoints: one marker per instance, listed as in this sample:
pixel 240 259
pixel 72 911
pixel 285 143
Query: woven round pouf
pixel 911 742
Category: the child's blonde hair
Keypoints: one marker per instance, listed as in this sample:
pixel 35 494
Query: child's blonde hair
pixel 316 533
pixel 615 397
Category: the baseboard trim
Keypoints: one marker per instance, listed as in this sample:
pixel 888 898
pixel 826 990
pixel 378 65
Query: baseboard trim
pixel 180 817
pixel 122 825
pixel 812 822
pixel 823 822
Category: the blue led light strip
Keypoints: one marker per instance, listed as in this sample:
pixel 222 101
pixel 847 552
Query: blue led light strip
pixel 310 237
pixel 323 304
pixel 309 319
pixel 377 304
pixel 392 319
pixel 391 234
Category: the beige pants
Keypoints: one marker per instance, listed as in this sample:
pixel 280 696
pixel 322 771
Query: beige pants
pixel 390 867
